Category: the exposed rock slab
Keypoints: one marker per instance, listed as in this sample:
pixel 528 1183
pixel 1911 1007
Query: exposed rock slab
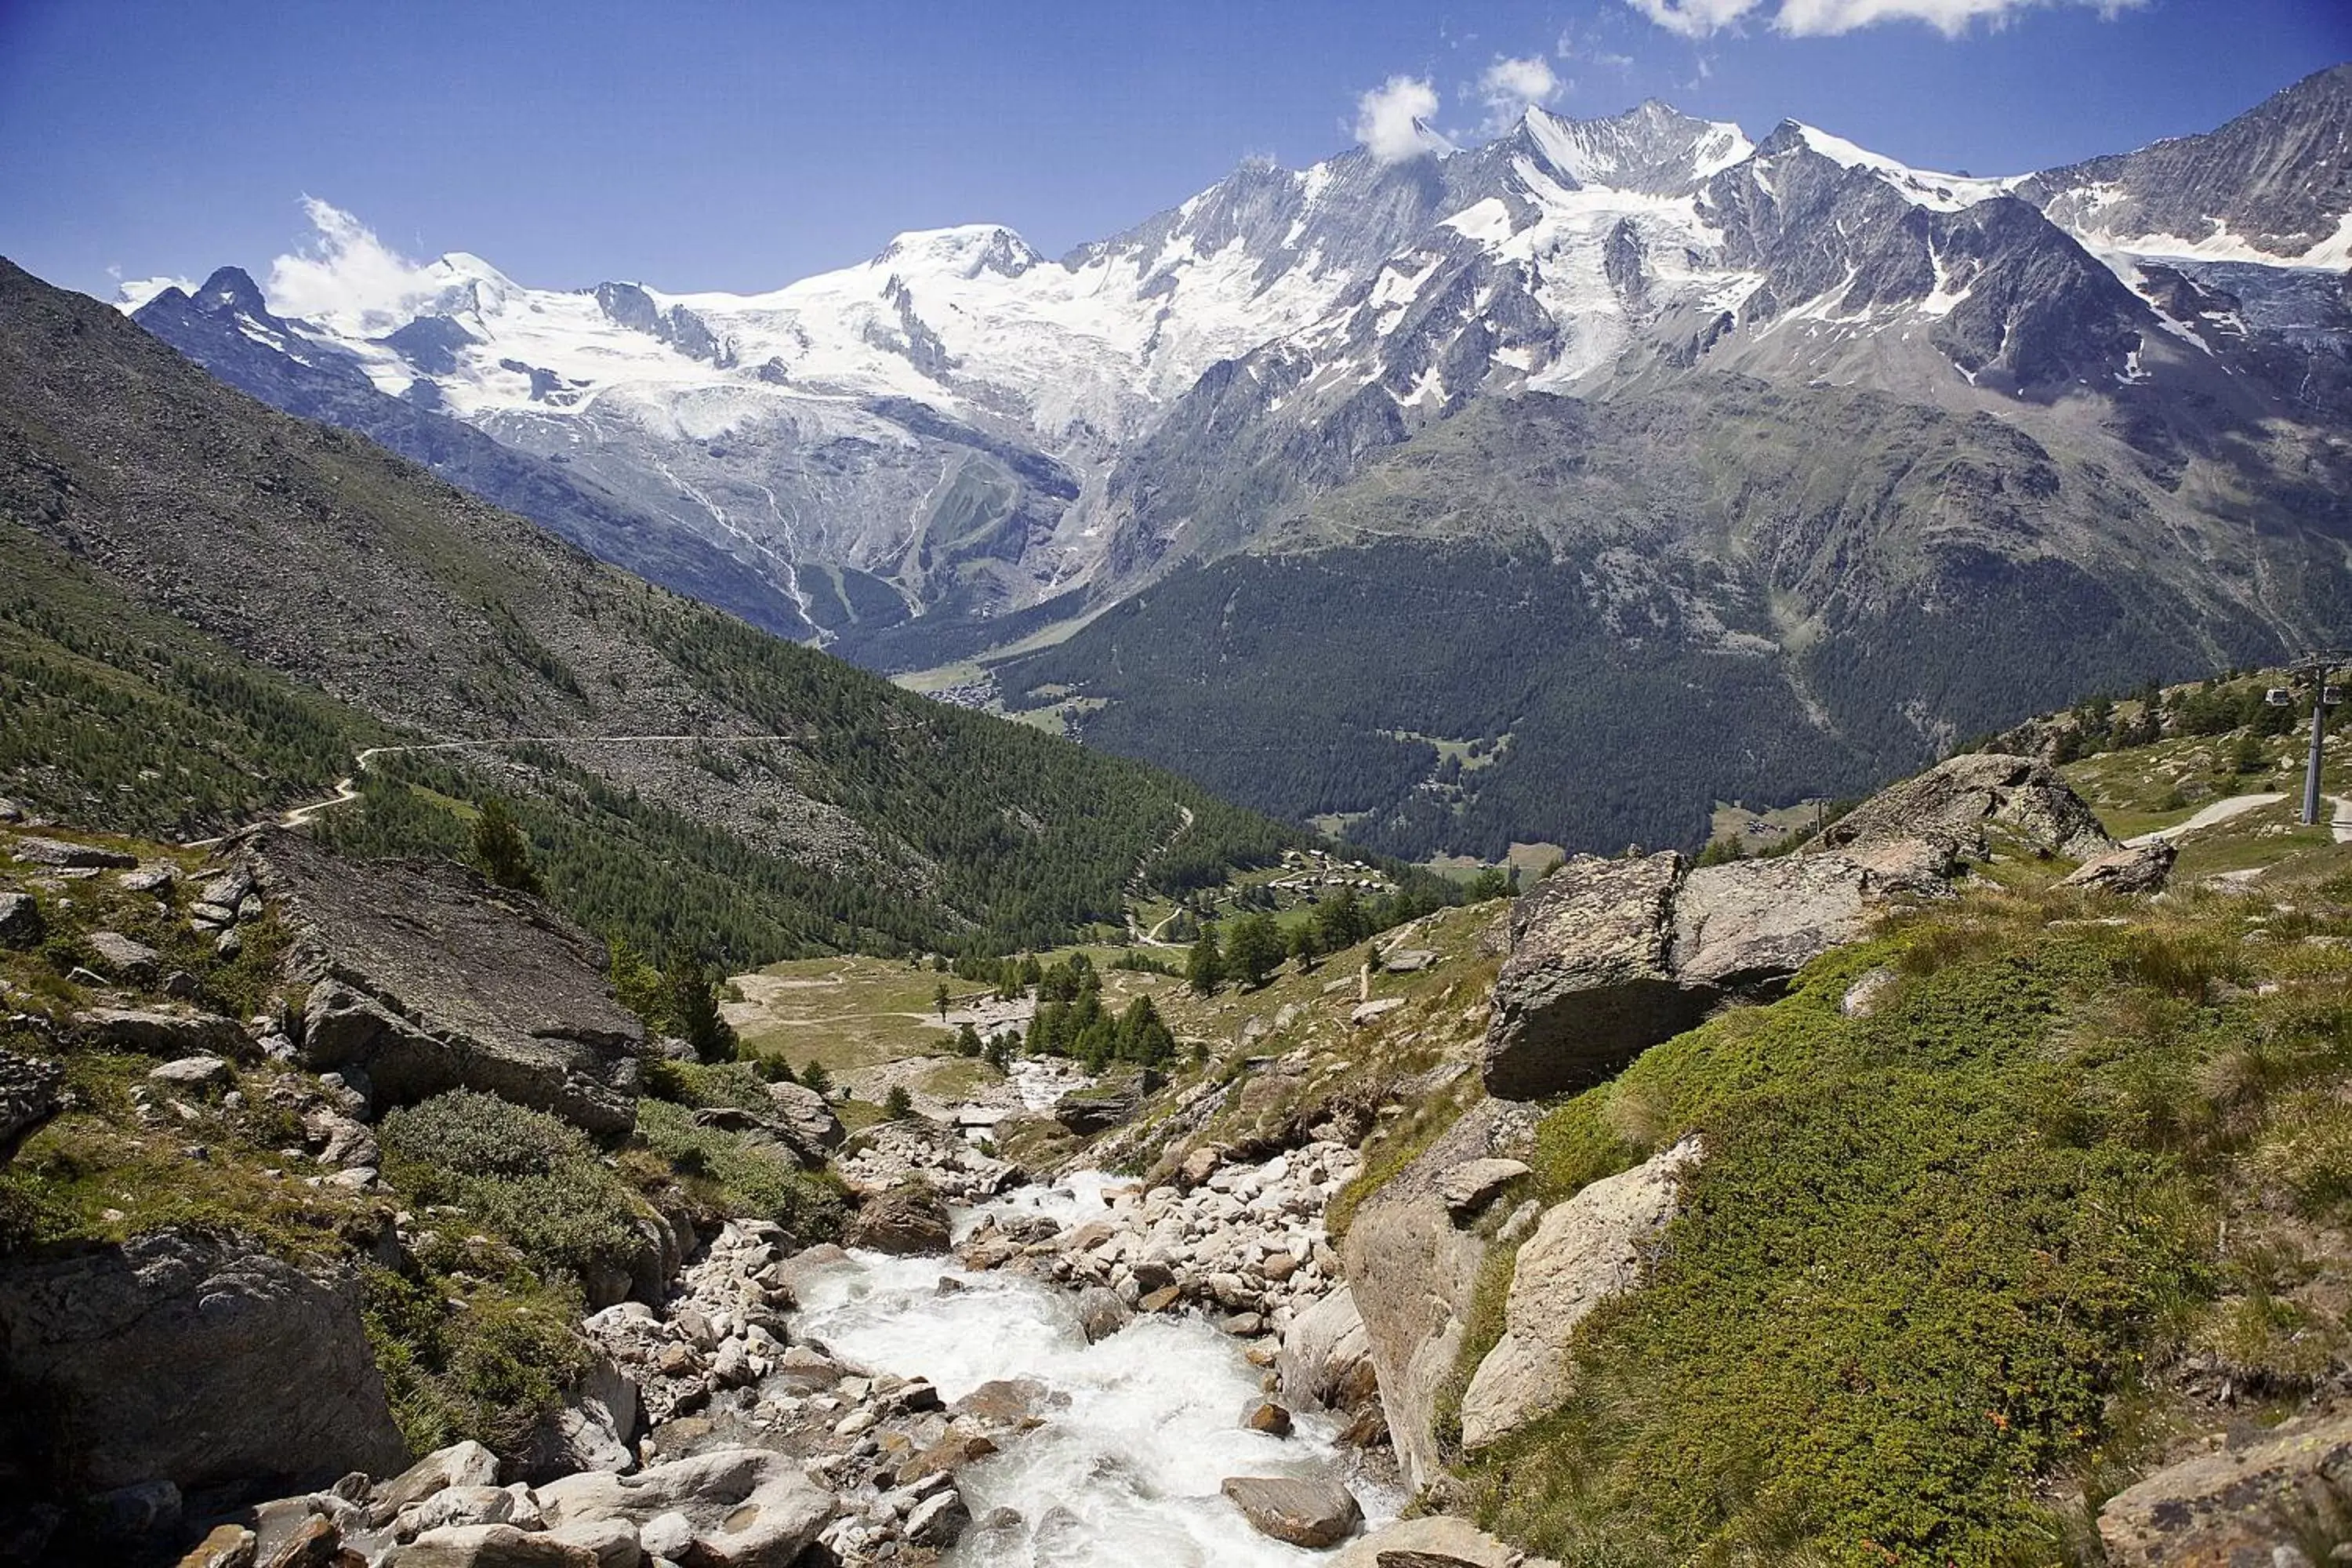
pixel 1964 804
pixel 35 851
pixel 155 1033
pixel 1471 1185
pixel 2233 1506
pixel 1327 1357
pixel 428 977
pixel 1753 923
pixel 200 1360
pixel 1585 1250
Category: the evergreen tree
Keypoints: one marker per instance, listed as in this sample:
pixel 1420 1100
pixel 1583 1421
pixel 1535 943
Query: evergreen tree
pixel 897 1105
pixel 694 1009
pixel 813 1076
pixel 1205 967
pixel 501 850
pixel 967 1041
pixel 940 999
pixel 1254 949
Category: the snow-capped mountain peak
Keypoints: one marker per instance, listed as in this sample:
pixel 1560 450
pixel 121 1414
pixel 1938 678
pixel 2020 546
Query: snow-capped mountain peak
pixel 1921 187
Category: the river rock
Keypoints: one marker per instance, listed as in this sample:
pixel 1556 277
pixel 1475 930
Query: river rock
pixel 427 977
pixel 1267 1415
pixel 1588 983
pixel 1097 1110
pixel 1101 1313
pixel 751 1508
pixel 1310 1512
pixel 2133 869
pixel 33 851
pixel 227 1546
pixel 905 1221
pixel 199 1360
pixel 492 1546
pixel 591 1429
pixel 939 1521
pixel 20 919
pixel 29 1098
pixel 132 963
pixel 1964 805
pixel 1436 1541
pixel 2235 1505
pixel 1587 1249
pixel 462 1464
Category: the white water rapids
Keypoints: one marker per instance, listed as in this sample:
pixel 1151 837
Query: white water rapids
pixel 1126 1475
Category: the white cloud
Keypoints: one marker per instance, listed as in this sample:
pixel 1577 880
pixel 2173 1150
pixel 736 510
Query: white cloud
pixel 1694 18
pixel 1509 86
pixel 1820 18
pixel 346 275
pixel 1385 117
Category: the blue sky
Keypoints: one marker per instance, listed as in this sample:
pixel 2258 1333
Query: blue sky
pixel 740 146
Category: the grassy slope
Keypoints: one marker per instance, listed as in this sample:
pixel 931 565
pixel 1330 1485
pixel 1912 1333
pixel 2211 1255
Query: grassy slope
pixel 1956 1271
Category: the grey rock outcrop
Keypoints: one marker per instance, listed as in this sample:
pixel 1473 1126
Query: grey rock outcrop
pixel 1964 805
pixel 2133 869
pixel 1313 1513
pixel 427 977
pixel 1326 1357
pixel 1418 1270
pixel 20 919
pixel 2237 1504
pixel 132 963
pixel 1587 1249
pixel 1754 923
pixel 197 1360
pixel 806 1118
pixel 28 1097
pixel 1590 982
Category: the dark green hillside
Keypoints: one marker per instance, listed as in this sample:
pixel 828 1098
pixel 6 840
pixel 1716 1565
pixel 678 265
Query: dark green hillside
pixel 1719 591
pixel 209 607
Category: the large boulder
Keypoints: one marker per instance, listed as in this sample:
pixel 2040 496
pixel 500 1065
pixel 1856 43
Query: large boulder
pixel 1418 1270
pixel 806 1119
pixel 748 1507
pixel 1585 1250
pixel 35 851
pixel 20 919
pixel 1312 1512
pixel 197 1360
pixel 1590 983
pixel 427 977
pixel 1973 806
pixel 2234 1505
pixel 155 1033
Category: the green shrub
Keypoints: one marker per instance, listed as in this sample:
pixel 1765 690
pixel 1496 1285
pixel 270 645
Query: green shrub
pixel 735 1175
pixel 530 1177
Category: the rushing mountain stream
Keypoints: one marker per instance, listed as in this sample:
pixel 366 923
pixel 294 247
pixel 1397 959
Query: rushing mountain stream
pixel 1140 1428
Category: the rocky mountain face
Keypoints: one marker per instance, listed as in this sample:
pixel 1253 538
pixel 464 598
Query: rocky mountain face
pixel 959 443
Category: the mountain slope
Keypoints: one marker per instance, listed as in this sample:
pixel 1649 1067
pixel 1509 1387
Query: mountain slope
pixel 1639 606
pixel 324 565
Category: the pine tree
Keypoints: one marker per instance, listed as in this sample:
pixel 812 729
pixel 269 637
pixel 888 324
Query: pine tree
pixel 501 850
pixel 1254 949
pixel 1205 967
pixel 897 1105
pixel 694 1009
pixel 940 999
pixel 967 1041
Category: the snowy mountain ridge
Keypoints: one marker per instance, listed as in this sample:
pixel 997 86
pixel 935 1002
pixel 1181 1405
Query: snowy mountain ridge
pixel 959 425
